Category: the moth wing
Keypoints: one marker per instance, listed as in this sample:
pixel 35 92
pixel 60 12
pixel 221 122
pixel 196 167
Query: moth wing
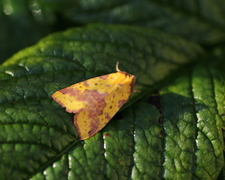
pixel 88 122
pixel 79 96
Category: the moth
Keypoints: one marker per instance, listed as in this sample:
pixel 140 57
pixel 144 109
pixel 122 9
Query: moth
pixel 96 100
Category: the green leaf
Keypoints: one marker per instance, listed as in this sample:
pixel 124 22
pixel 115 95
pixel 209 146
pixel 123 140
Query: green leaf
pixel 189 145
pixel 193 113
pixel 36 131
pixel 200 21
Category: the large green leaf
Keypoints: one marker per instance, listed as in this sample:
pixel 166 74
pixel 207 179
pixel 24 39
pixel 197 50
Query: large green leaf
pixel 192 122
pixel 189 145
pixel 36 131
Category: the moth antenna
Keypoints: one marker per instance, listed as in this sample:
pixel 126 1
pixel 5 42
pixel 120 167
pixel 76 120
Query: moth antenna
pixel 117 67
pixel 136 90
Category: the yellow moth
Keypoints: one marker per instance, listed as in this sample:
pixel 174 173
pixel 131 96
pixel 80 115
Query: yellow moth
pixel 95 101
